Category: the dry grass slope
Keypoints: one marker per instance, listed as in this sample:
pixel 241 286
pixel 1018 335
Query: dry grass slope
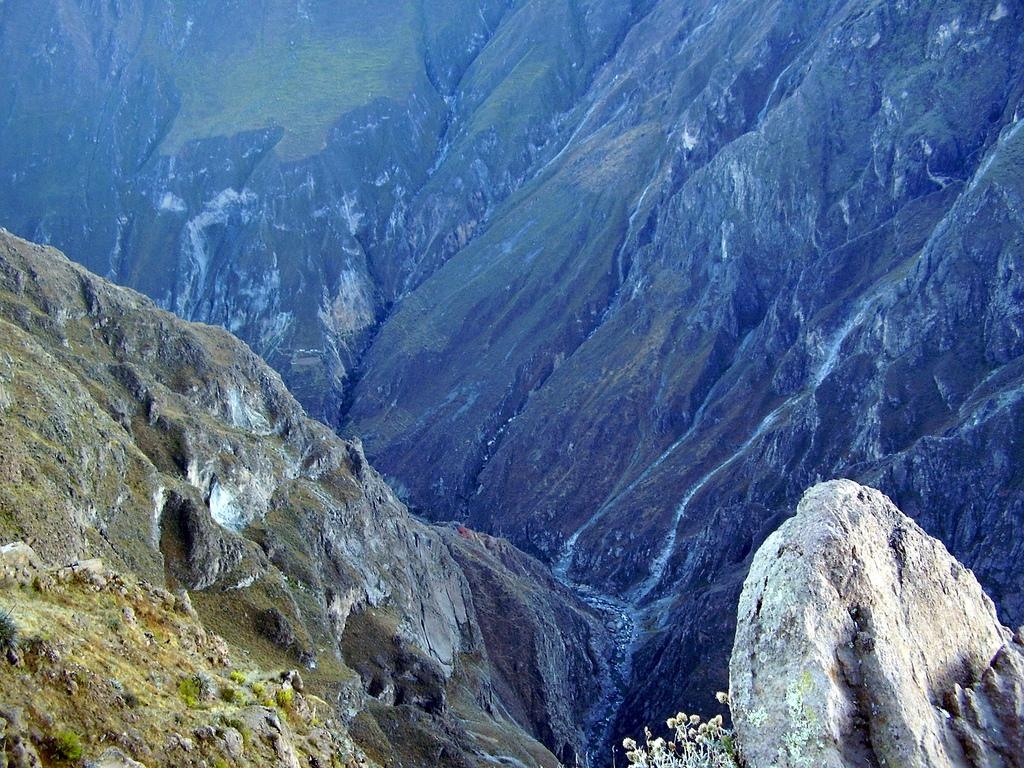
pixel 104 661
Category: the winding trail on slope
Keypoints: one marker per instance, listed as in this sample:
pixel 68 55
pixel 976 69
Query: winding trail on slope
pixel 625 615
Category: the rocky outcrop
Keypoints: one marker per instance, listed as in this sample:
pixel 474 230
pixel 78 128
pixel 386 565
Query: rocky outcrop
pixel 862 642
pixel 112 672
pixel 550 656
pixel 173 452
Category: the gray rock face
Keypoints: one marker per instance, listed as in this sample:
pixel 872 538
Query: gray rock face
pixel 862 642
pixel 549 655
pixel 18 750
pixel 114 758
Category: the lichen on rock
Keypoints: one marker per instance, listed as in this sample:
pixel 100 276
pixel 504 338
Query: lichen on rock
pixel 862 641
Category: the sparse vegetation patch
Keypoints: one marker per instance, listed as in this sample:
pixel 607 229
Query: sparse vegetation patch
pixel 695 743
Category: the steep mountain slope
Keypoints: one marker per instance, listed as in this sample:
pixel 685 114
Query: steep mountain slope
pixel 617 279
pixel 784 244
pixel 171 451
pixel 288 171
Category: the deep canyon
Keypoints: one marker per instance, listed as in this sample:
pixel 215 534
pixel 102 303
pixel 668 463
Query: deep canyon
pixel 614 281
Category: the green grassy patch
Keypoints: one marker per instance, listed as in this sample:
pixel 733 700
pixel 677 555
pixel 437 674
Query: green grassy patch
pixel 298 81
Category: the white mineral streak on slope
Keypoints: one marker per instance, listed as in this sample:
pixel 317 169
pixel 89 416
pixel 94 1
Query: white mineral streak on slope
pixel 825 367
pixel 274 330
pixel 1015 127
pixel 579 129
pixel 244 416
pixel 640 202
pixel 225 510
pixel 248 581
pixel 350 213
pixel 640 593
pixel 215 212
pixel 771 93
pixel 159 499
pixel 505 760
pixel 568 551
pixel 260 294
pixel 572 137
pixel 171 203
pixel 237 494
pixel 942 181
pixel 690 140
pixel 626 241
pixel 351 310
pixel 832 349
pixel 115 252
pixel 827 364
pixel 989 407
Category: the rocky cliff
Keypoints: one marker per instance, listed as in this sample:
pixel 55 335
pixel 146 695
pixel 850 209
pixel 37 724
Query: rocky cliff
pixel 171 451
pixel 617 280
pixel 862 641
pixel 784 245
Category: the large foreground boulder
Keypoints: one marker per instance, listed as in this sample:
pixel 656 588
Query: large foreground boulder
pixel 863 642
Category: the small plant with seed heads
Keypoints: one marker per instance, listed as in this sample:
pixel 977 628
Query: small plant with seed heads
pixel 696 744
pixel 195 689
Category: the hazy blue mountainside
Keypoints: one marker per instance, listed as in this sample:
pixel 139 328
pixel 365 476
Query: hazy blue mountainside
pixel 286 170
pixel 614 280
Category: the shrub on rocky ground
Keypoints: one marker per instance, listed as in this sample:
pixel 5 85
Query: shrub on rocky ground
pixel 66 747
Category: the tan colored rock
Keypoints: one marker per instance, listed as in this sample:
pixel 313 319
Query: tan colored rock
pixel 18 556
pixel 114 758
pixel 265 725
pixel 862 642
